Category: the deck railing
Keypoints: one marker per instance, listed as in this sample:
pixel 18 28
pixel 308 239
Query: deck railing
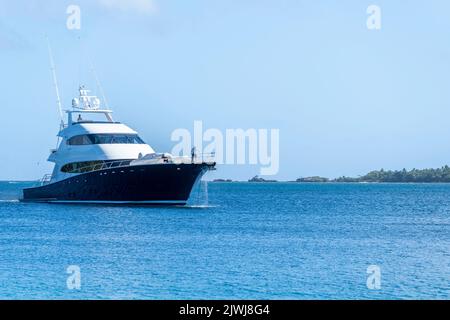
pixel 102 166
pixel 46 179
pixel 204 157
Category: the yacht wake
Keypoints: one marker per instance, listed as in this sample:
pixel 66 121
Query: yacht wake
pixel 199 206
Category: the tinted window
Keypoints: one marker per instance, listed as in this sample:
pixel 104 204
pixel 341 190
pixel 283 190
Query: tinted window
pixel 105 139
pixel 88 166
pixel 79 140
pixel 79 167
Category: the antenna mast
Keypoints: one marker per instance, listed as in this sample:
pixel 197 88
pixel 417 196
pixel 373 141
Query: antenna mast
pixel 99 85
pixel 92 69
pixel 55 82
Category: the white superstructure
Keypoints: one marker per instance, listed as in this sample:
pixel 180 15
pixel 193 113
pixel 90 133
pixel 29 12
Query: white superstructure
pixel 85 142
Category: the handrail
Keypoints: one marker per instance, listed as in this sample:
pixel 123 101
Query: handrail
pixel 46 179
pixel 209 156
pixel 102 166
pixel 117 164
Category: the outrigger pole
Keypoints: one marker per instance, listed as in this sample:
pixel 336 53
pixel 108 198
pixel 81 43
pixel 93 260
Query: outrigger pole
pixel 94 73
pixel 55 82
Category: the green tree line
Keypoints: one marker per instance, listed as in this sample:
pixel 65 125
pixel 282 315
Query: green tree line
pixel 414 175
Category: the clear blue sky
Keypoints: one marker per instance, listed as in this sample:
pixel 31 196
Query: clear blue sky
pixel 346 99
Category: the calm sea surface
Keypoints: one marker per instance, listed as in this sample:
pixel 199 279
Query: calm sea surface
pixel 253 241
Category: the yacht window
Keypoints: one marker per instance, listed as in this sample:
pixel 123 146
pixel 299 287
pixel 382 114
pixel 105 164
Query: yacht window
pixel 88 166
pixel 80 167
pixel 105 139
pixel 79 140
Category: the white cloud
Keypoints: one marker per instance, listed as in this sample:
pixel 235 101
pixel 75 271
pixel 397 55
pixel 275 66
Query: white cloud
pixel 140 6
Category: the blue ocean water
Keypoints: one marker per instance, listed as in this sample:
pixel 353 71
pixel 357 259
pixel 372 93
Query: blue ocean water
pixel 253 241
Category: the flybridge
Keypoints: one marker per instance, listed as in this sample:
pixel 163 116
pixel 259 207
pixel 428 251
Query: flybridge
pixel 86 104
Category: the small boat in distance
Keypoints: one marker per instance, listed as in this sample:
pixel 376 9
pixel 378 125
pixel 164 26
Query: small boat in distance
pixel 102 161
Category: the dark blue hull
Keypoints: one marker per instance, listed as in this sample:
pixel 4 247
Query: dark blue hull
pixel 157 184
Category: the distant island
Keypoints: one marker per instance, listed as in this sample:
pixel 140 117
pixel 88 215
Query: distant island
pixel 313 179
pixel 254 179
pixel 441 175
pixel 414 175
pixel 258 179
pixel 222 180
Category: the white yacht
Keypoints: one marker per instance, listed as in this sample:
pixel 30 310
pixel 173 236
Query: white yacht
pixel 103 161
